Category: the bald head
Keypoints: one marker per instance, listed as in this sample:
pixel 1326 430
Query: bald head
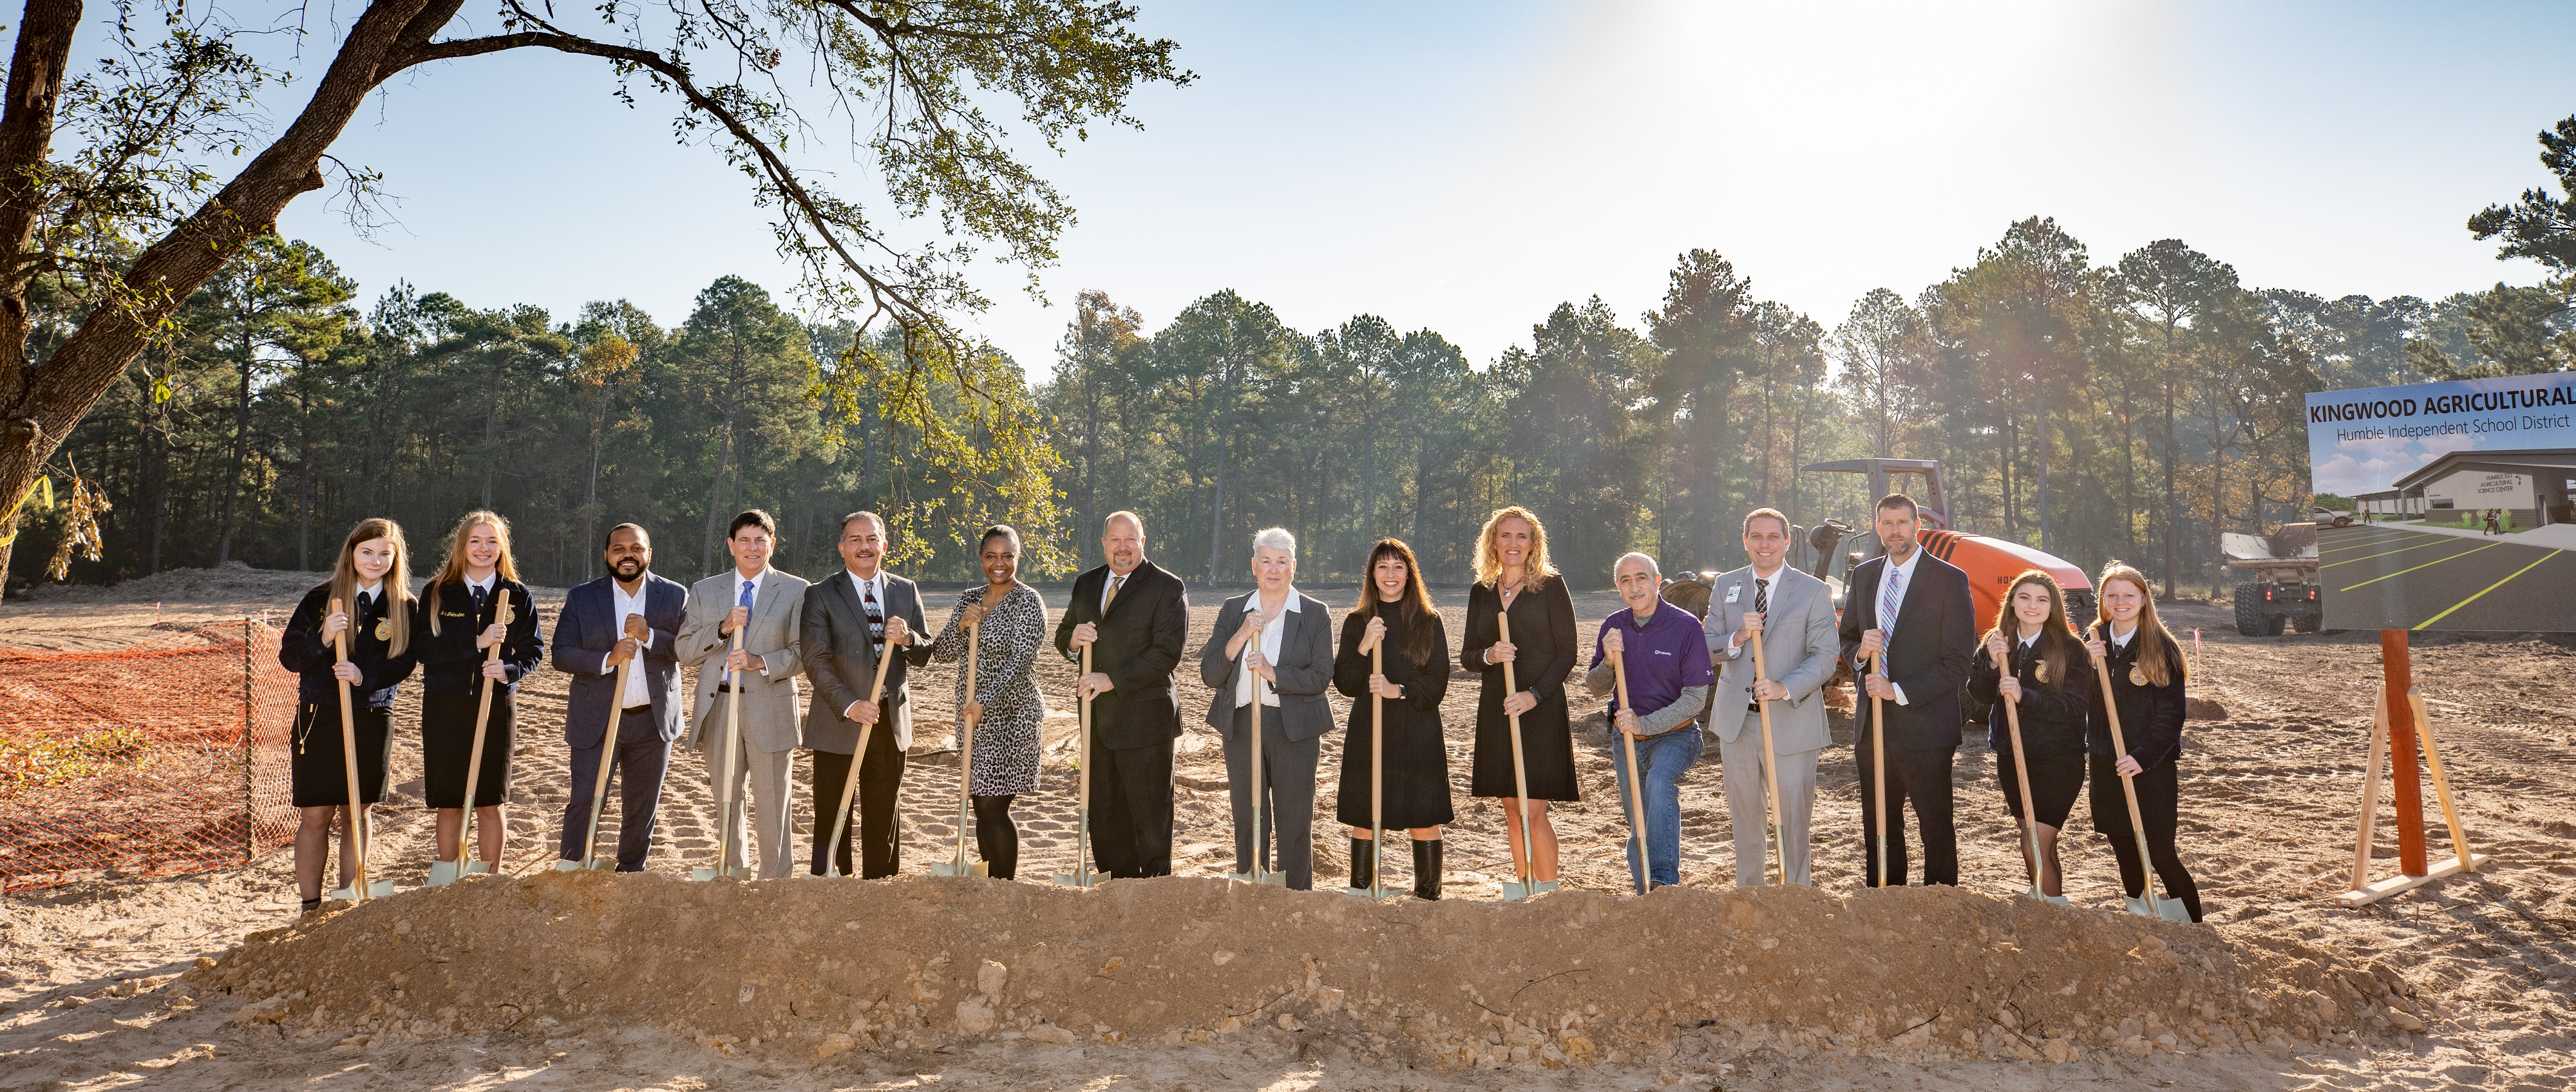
pixel 1122 541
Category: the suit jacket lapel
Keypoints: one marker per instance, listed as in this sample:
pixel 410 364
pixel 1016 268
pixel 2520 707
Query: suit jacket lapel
pixel 1127 590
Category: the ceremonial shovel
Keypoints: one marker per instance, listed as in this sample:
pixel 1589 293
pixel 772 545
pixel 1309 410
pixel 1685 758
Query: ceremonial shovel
pixel 360 889
pixel 724 773
pixel 850 784
pixel 958 865
pixel 1257 870
pixel 2152 906
pixel 1771 763
pixel 1377 888
pixel 442 873
pixel 2021 772
pixel 1527 864
pixel 1636 779
pixel 1878 761
pixel 590 857
pixel 1082 875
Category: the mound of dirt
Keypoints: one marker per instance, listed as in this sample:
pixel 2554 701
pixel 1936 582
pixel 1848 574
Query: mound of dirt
pixel 799 969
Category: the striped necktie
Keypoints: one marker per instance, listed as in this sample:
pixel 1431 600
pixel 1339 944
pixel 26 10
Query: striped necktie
pixel 1889 597
pixel 876 613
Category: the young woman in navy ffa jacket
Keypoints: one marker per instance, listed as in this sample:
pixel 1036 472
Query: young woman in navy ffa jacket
pixel 2146 668
pixel 2051 679
pixel 457 612
pixel 372 584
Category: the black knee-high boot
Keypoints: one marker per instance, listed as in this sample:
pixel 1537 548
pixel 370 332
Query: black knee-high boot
pixel 1426 868
pixel 1363 867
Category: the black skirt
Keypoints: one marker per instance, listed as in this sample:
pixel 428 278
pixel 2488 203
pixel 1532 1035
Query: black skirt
pixel 447 744
pixel 1417 769
pixel 2055 782
pixel 320 776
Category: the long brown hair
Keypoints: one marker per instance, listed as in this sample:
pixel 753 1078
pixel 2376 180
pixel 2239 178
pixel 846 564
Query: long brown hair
pixel 2057 642
pixel 452 570
pixel 1414 602
pixel 2157 649
pixel 1489 561
pixel 397 584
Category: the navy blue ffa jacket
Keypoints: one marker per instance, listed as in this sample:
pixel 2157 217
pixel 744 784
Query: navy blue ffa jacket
pixel 2052 712
pixel 2150 716
pixel 449 662
pixel 303 651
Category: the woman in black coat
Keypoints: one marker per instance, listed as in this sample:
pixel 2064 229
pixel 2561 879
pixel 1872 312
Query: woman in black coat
pixel 458 622
pixel 2146 668
pixel 372 584
pixel 1396 618
pixel 1513 575
pixel 2052 683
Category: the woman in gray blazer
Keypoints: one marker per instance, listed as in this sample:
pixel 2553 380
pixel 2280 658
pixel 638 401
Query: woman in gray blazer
pixel 1271 655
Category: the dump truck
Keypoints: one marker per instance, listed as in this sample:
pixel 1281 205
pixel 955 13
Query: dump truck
pixel 2280 585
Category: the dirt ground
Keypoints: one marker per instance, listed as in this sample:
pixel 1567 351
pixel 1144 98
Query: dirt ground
pixel 92 993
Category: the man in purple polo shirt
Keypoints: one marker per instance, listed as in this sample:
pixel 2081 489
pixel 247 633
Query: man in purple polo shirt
pixel 1668 683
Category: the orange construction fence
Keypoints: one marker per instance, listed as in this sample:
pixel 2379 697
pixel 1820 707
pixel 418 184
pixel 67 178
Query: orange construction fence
pixel 164 757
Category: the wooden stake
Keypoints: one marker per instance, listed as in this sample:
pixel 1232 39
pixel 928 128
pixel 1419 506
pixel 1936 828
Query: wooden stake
pixel 474 759
pixel 2021 773
pixel 1878 760
pixel 958 866
pixel 850 784
pixel 1771 760
pixel 1636 779
pixel 2370 789
pixel 359 889
pixel 2442 785
pixel 1082 876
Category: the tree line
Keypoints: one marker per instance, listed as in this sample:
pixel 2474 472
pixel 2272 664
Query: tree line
pixel 2131 408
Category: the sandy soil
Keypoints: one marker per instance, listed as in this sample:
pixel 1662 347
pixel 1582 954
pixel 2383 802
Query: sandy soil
pixel 90 993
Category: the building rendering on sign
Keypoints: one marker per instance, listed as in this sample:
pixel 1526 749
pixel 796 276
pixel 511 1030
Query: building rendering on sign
pixel 2533 486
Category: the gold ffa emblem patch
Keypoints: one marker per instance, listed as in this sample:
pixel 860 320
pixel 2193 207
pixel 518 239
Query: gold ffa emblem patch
pixel 384 629
pixel 2039 671
pixel 2137 677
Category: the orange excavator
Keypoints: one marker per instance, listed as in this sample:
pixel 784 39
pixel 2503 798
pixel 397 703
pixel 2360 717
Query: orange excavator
pixel 1991 563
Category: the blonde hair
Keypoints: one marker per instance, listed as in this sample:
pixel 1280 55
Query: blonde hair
pixel 397 581
pixel 2157 649
pixel 1489 561
pixel 452 570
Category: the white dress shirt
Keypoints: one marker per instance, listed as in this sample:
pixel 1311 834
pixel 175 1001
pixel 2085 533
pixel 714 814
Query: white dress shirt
pixel 2119 641
pixel 1904 587
pixel 482 589
pixel 1271 632
pixel 623 605
pixel 1773 578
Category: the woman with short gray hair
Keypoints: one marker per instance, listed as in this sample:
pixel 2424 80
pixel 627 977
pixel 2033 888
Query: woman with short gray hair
pixel 1269 660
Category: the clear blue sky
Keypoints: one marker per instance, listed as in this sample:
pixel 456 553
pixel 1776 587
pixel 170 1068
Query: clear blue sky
pixel 1466 166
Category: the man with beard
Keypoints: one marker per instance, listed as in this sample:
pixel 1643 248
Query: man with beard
pixel 1136 618
pixel 604 624
pixel 1909 632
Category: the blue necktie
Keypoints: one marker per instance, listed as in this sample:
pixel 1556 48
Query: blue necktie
pixel 745 599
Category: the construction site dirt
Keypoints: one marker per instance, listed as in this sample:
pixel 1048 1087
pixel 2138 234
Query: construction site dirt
pixel 537 979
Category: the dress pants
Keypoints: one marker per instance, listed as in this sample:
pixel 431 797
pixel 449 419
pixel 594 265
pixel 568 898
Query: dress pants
pixel 876 822
pixel 1922 778
pixel 762 811
pixel 643 757
pixel 1667 758
pixel 1747 804
pixel 1131 810
pixel 1287 802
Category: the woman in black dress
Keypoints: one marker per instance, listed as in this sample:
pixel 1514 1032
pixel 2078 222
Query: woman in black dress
pixel 1513 575
pixel 2146 668
pixel 457 623
pixel 1395 611
pixel 372 583
pixel 2052 680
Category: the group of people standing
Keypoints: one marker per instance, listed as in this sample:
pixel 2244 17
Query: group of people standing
pixel 1751 673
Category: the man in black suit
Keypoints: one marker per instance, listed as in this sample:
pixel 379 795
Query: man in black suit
pixel 1915 608
pixel 1136 618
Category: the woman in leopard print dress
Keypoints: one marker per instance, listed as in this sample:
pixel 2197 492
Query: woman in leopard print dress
pixel 1006 706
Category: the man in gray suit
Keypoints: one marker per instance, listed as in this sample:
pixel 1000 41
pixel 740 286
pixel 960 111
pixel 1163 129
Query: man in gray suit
pixel 1271 656
pixel 850 617
pixel 1792 614
pixel 766 605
